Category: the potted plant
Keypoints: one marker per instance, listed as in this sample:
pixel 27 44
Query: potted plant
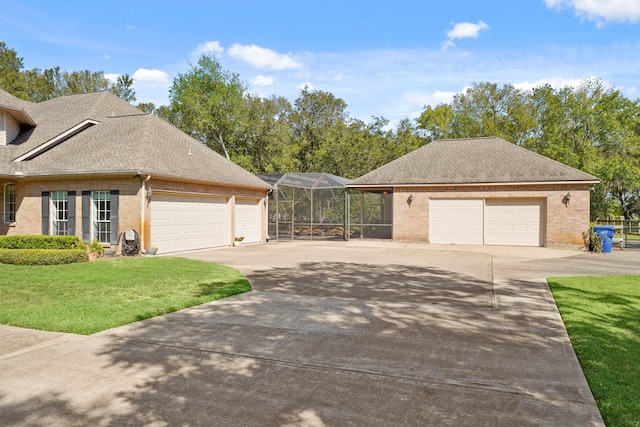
pixel 238 240
pixel 152 250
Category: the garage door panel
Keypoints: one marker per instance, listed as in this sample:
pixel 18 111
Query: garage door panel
pixel 513 222
pixel 248 222
pixel 180 223
pixel 456 221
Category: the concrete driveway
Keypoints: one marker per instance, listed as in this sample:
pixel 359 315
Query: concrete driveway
pixel 334 333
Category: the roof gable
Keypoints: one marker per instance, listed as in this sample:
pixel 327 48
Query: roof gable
pixel 472 161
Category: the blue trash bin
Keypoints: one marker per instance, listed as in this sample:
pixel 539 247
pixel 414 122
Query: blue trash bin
pixel 605 233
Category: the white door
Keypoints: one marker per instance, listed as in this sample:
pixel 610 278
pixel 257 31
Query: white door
pixel 513 222
pixel 248 221
pixel 456 221
pixel 182 223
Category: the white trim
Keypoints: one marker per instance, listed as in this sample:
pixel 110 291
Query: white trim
pixel 22 115
pixel 57 140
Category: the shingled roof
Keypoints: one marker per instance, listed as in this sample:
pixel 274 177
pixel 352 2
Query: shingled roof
pixel 98 133
pixel 472 161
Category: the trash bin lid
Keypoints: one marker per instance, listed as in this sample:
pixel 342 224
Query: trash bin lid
pixel 604 227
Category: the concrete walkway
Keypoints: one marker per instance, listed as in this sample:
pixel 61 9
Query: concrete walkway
pixel 334 333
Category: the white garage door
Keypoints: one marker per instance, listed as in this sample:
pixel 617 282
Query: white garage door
pixel 456 221
pixel 513 222
pixel 181 223
pixel 248 220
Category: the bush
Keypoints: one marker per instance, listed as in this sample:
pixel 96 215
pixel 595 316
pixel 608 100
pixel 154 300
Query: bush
pixel 42 256
pixel 41 242
pixel 96 247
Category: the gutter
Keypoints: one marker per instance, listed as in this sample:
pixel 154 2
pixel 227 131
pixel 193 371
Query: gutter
pixel 476 184
pixel 133 172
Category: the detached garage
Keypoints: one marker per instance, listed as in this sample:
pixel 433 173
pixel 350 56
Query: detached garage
pixel 483 191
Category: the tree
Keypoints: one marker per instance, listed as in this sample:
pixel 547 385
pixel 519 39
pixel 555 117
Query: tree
pixel 315 115
pixel 595 129
pixel 484 109
pixel 265 139
pixel 436 123
pixel 123 88
pixel 207 102
pixel 44 85
pixel 85 81
pixel 147 107
pixel 11 78
pixel 38 85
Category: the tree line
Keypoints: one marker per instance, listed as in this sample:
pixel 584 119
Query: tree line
pixel 591 127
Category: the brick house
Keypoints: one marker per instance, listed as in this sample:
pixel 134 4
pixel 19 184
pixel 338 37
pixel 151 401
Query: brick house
pixel 483 191
pixel 93 166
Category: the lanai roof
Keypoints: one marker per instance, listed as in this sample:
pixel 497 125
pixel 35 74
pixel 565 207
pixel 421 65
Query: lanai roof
pixel 472 161
pixel 311 180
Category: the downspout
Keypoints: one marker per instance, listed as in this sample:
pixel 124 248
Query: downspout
pixel 266 211
pixel 143 198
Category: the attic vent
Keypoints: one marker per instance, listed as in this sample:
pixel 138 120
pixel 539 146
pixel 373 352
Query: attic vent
pixel 56 140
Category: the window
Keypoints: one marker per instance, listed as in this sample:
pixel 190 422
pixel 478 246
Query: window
pixel 101 216
pixel 59 213
pixel 9 203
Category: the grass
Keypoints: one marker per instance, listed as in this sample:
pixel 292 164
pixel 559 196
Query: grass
pixel 85 298
pixel 602 316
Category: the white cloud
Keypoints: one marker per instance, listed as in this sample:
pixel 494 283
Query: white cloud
pixel 262 80
pixel 463 30
pixel 150 76
pixel 151 86
pixel 601 11
pixel 554 82
pixel 208 48
pixel 106 57
pixel 443 96
pixel 261 57
pixel 112 77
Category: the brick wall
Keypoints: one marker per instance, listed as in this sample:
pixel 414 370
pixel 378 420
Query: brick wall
pixel 132 201
pixel 563 225
pixel 29 202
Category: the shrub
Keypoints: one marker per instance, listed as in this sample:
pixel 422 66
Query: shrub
pixel 96 247
pixel 42 256
pixel 41 242
pixel 594 241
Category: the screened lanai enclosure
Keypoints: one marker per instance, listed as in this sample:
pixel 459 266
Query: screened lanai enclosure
pixel 319 206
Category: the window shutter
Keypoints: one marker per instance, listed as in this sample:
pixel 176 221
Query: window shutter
pixel 115 195
pixel 71 212
pixel 86 216
pixel 45 213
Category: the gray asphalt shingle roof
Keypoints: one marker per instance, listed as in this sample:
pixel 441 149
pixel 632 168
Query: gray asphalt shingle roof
pixel 472 161
pixel 124 140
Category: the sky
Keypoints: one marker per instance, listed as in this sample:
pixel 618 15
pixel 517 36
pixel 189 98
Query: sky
pixel 383 58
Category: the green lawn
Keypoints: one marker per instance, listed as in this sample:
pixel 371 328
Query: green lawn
pixel 85 298
pixel 602 316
